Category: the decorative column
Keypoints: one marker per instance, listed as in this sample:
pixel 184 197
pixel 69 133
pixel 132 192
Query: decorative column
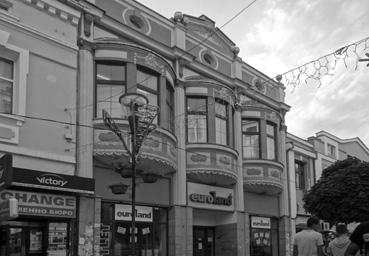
pixel 284 222
pixel 239 195
pixel 89 209
pixel 180 216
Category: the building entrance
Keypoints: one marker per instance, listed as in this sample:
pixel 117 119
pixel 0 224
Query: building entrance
pixel 23 238
pixel 203 241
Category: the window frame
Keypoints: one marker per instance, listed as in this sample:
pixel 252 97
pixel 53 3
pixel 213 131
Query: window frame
pixel 274 137
pixel 300 172
pixel 169 101
pixel 258 133
pixel 202 113
pixel 224 118
pixel 108 82
pixel 144 88
pixel 12 81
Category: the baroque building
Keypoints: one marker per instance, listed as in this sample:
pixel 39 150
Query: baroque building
pixel 211 178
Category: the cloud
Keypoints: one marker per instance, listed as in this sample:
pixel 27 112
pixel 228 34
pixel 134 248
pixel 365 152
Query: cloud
pixel 291 33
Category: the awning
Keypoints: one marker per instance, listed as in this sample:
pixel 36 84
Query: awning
pixel 10 176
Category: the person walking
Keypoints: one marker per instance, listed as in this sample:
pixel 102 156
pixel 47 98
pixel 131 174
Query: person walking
pixel 309 242
pixel 359 240
pixel 338 246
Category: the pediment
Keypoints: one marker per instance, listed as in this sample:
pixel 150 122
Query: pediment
pixel 203 28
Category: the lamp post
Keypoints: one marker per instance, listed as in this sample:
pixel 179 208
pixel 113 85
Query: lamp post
pixel 140 118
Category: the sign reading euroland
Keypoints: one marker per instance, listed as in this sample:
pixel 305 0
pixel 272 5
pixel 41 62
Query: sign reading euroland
pixel 260 222
pixel 41 204
pixel 124 212
pixel 210 197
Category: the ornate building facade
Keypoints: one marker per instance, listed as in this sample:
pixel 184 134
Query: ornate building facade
pixel 211 178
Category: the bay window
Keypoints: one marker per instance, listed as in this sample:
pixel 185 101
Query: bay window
pixel 147 84
pixel 250 139
pixel 170 106
pixel 271 138
pixel 110 85
pixel 221 121
pixel 6 86
pixel 196 120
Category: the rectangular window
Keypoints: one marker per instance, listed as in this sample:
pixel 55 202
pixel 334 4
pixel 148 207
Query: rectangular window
pixel 300 174
pixel 110 85
pixel 6 86
pixel 221 120
pixel 148 84
pixel 271 138
pixel 331 150
pixel 196 120
pixel 170 107
pixel 250 139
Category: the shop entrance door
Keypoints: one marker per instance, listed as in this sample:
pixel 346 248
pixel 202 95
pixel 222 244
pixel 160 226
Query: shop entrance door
pixel 203 241
pixel 22 241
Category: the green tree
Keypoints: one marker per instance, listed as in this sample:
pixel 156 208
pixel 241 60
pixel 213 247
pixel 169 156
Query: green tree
pixel 342 193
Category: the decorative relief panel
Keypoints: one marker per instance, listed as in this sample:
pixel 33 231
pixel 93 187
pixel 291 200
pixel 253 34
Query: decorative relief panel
pixel 274 173
pixel 149 60
pixel 253 172
pixel 198 158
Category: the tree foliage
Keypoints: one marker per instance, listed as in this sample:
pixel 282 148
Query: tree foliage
pixel 342 193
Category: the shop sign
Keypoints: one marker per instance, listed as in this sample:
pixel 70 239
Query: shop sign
pixel 210 197
pixel 142 213
pixel 54 181
pixel 9 209
pixel 41 204
pixel 260 222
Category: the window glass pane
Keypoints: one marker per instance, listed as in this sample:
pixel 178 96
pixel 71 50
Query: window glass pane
pixel 250 126
pixel 6 69
pixel 196 128
pixel 220 131
pixel 270 148
pixel 170 107
pixel 147 80
pixel 110 72
pixel 270 130
pixel 250 144
pixel 196 105
pixel 220 109
pixel 58 238
pixel 107 97
pixel 6 96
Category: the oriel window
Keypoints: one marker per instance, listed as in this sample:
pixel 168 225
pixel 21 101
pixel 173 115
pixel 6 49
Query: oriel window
pixel 196 120
pixel 250 139
pixel 110 85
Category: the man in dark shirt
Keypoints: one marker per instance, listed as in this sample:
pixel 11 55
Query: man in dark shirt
pixel 359 240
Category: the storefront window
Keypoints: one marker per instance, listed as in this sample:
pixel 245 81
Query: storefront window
pixel 196 120
pixel 150 236
pixel 264 236
pixel 250 139
pixel 110 85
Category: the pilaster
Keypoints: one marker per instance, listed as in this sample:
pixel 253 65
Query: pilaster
pixel 84 111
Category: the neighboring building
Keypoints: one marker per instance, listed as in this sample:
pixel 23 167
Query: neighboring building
pixel 212 177
pixel 38 72
pixel 308 158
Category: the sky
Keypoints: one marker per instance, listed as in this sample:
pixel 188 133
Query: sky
pixel 276 36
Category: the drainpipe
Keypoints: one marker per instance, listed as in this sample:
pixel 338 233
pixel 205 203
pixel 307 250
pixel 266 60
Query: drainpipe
pixel 288 184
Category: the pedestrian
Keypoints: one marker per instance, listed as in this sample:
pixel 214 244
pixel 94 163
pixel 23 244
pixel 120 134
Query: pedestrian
pixel 309 242
pixel 359 240
pixel 338 246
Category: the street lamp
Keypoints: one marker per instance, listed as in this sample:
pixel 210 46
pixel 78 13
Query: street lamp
pixel 140 118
